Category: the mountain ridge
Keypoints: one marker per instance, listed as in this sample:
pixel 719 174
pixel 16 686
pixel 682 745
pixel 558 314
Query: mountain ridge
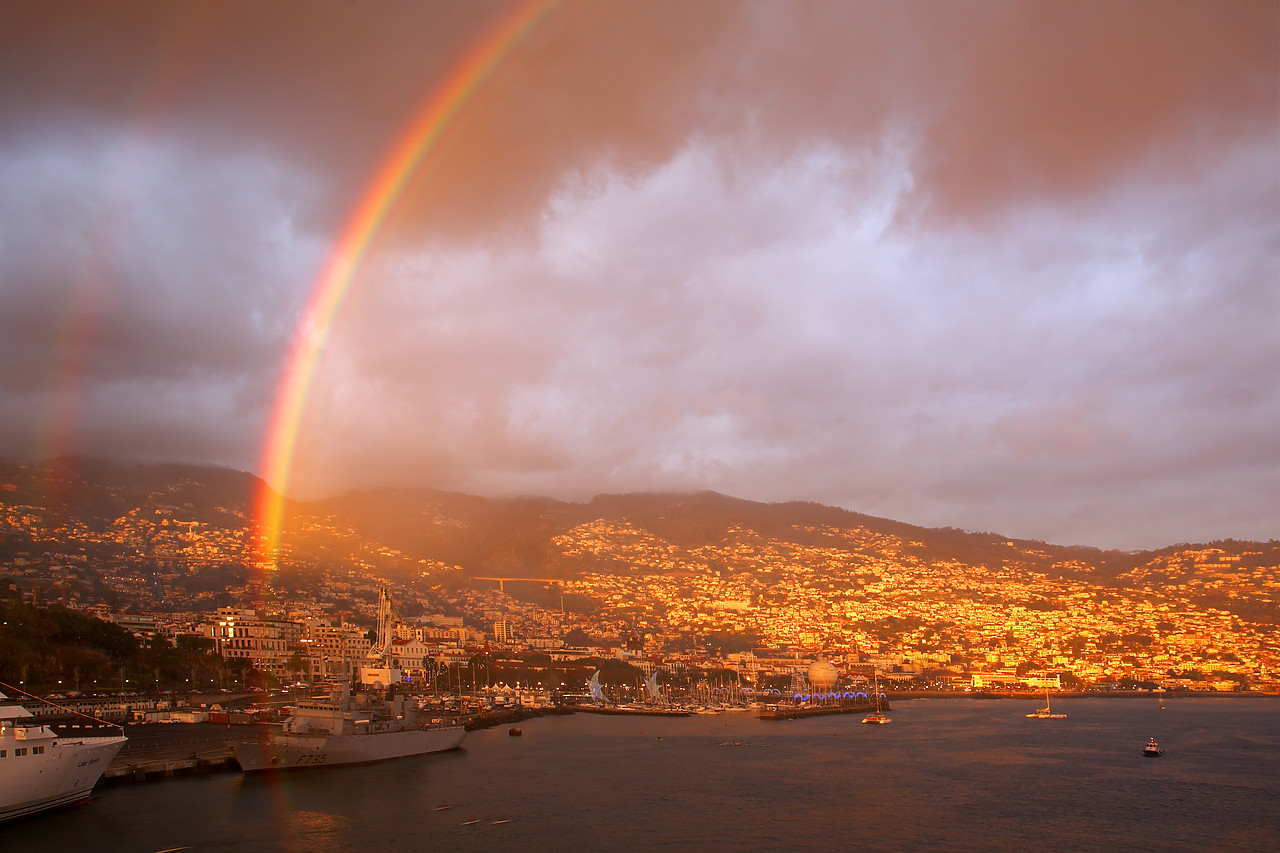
pixel 483 535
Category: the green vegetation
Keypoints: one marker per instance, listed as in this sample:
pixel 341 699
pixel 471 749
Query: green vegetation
pixel 48 651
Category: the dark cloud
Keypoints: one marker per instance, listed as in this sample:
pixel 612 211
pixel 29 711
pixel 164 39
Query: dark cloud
pixel 145 280
pixel 1007 266
pixel 1056 99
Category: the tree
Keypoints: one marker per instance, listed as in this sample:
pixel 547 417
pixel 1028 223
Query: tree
pixel 193 643
pixel 298 664
pixel 578 637
pixel 615 672
pixel 722 677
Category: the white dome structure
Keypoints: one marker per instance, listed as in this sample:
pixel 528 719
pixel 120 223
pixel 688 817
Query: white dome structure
pixel 822 675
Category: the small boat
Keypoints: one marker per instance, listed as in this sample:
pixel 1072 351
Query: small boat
pixel 1152 749
pixel 1046 713
pixel 514 732
pixel 876 718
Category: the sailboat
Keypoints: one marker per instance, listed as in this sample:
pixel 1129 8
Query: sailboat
pixel 876 719
pixel 1046 713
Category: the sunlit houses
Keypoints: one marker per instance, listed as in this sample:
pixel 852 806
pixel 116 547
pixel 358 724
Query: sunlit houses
pixel 266 643
pixel 412 656
pixel 333 649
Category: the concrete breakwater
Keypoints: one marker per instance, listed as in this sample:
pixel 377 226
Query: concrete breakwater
pixel 508 716
pixel 119 773
pixel 159 751
pixel 631 711
pixel 799 713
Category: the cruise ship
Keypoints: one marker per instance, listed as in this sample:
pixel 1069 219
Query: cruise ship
pixel 40 769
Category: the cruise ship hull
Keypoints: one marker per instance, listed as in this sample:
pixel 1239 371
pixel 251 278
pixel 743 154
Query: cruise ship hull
pixel 306 751
pixel 64 773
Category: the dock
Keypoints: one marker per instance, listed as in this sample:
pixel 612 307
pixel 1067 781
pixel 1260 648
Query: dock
pixel 123 772
pixel 507 716
pixel 631 711
pixel 800 713
pixel 156 752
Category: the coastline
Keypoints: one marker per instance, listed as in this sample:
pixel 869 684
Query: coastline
pixel 166 751
pixel 825 783
pixel 1077 694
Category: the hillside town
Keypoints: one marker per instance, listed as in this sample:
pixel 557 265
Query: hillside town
pixel 761 608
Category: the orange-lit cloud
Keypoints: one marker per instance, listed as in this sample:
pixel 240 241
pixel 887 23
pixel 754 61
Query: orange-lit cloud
pixel 1004 266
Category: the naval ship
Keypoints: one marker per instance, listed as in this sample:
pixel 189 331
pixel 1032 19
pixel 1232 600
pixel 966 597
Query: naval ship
pixel 374 723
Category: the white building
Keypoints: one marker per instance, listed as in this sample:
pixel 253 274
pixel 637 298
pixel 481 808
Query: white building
pixel 1040 681
pixel 266 643
pixel 333 651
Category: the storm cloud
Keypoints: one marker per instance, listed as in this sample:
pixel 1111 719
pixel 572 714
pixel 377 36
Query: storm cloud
pixel 1008 266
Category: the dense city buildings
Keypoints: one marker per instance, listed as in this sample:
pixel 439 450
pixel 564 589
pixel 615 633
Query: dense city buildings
pixel 267 643
pixel 760 600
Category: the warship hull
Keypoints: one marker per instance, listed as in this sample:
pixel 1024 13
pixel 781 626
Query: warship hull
pixel 305 751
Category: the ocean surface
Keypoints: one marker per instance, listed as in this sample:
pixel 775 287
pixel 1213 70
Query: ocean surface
pixel 946 774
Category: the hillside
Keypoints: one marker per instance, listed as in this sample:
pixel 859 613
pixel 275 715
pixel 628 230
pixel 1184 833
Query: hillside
pixel 191 528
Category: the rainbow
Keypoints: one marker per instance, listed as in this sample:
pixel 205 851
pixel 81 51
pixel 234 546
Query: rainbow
pixel 375 205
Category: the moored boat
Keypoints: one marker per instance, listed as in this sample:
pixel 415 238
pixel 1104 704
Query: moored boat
pixel 1046 713
pixel 348 729
pixel 375 723
pixel 876 718
pixel 40 770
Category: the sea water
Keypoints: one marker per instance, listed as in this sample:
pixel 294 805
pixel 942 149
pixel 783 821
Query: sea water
pixel 945 774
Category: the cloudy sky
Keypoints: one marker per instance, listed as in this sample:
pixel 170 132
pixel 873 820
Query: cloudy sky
pixel 1007 266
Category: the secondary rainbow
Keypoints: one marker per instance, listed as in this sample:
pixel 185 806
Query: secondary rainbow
pixel 375 205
